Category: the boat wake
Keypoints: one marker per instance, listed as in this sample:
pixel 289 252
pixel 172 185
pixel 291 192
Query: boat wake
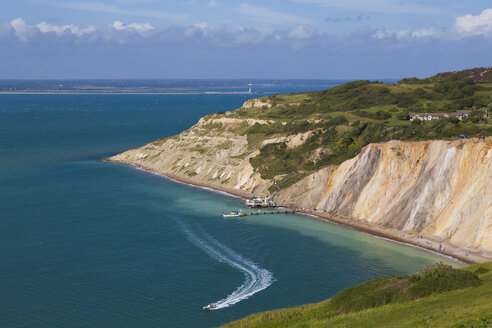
pixel 256 278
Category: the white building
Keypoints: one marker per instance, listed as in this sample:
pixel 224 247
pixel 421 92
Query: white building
pixel 460 114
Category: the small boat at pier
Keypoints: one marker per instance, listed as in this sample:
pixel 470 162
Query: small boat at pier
pixel 233 214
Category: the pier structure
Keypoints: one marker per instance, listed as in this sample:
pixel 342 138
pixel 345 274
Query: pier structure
pixel 270 212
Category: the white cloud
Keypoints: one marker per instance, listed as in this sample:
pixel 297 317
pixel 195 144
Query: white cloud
pixel 470 25
pixel 213 3
pixel 465 26
pixel 139 27
pixel 409 34
pixel 301 32
pixel 266 15
pixel 45 27
pixel 248 36
pixel 20 28
pixel 26 33
pixel 382 34
pixel 218 35
pixel 206 26
pixel 203 29
pixel 425 33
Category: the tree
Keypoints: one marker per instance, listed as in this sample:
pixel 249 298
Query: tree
pixel 403 116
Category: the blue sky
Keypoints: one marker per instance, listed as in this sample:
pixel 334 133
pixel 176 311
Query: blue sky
pixel 242 39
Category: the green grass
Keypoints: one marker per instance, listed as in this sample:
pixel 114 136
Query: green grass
pixel 348 117
pixel 437 296
pixel 205 128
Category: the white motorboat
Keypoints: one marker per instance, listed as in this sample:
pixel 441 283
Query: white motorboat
pixel 233 214
pixel 210 307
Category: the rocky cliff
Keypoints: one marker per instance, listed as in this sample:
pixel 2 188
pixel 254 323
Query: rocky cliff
pixel 210 153
pixel 439 188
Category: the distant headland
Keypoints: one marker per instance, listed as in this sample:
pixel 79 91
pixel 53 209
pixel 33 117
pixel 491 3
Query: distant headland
pixel 139 87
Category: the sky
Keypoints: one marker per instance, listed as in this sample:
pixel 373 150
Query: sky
pixel 305 39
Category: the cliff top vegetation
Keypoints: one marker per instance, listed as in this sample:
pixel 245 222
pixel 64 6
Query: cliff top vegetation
pixel 338 122
pixel 437 296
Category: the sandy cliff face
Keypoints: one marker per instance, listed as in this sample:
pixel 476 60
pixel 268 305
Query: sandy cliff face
pixel 208 153
pixel 440 188
pixel 257 103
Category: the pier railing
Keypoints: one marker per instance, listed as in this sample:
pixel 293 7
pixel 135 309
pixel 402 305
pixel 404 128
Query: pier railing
pixel 270 212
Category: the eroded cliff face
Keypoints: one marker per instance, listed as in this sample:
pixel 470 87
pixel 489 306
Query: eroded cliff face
pixel 213 153
pixel 440 188
pixel 208 153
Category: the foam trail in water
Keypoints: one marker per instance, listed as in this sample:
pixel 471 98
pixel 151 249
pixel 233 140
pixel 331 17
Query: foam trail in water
pixel 256 278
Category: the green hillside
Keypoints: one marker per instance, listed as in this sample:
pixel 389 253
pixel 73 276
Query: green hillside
pixel 437 296
pixel 340 121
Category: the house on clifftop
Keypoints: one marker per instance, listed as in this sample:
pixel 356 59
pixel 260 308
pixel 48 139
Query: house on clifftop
pixel 459 114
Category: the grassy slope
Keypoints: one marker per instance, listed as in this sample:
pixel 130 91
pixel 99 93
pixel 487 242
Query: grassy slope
pixel 348 117
pixel 466 307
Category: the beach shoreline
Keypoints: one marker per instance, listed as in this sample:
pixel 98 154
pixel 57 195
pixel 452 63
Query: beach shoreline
pixel 431 244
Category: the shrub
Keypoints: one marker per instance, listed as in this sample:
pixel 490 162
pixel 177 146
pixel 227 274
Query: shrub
pixel 412 80
pixel 348 86
pixel 403 116
pixel 415 108
pixel 338 120
pixel 379 115
pixel 438 278
pixel 480 271
pixel 453 120
pixel 435 278
pixel 405 100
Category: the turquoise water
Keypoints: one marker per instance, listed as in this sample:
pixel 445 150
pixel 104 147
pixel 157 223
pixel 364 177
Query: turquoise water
pixel 90 244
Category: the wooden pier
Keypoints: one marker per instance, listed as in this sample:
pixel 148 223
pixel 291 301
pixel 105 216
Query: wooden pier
pixel 270 212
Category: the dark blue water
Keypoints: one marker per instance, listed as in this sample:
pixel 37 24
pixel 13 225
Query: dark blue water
pixel 90 244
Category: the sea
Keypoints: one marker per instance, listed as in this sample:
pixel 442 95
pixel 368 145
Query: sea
pixel 85 243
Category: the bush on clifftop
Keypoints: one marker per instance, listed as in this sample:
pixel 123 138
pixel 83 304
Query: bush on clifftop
pixel 432 279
